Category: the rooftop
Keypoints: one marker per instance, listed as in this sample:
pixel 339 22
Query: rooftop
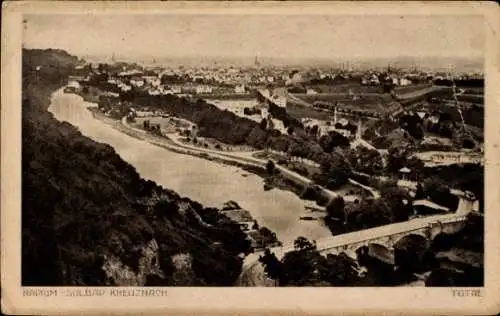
pixel 239 215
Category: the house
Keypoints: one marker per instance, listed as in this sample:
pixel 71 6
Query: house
pixel 421 114
pixel 203 89
pixel 124 87
pixel 404 172
pixel 130 73
pixel 310 91
pixel 70 89
pixel 264 112
pixel 241 217
pixel 374 79
pixel 342 126
pixel 239 89
pixel 74 84
pixel 404 82
pixel 137 81
pixel 144 113
pixel 434 119
pixel 152 81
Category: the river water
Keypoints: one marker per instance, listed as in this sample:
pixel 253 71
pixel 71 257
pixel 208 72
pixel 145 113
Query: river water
pixel 205 181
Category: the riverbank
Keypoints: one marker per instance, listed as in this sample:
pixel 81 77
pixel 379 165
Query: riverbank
pixel 271 181
pixel 204 180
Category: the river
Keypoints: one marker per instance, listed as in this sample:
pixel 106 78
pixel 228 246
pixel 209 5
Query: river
pixel 202 180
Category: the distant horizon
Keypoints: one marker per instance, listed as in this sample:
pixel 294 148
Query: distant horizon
pixel 436 63
pixel 300 37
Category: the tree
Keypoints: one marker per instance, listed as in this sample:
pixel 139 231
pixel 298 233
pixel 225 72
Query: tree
pixel 338 173
pixel 439 193
pixel 419 194
pixel 340 270
pixel 314 130
pixel 272 266
pixel 394 199
pixel 366 160
pixel 270 124
pixel 270 167
pixel 255 225
pixel 335 208
pixel 263 124
pixel 409 252
pixel 300 268
pixel 301 243
pixel 398 156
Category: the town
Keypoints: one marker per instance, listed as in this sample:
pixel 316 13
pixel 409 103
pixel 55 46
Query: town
pixel 201 151
pixel 369 134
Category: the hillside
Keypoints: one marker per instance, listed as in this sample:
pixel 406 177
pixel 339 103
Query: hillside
pixel 88 218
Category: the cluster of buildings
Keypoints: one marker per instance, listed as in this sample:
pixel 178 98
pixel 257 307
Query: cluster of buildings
pixel 448 158
pixel 258 238
pixel 237 80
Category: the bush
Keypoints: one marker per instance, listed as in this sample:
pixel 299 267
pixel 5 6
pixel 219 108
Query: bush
pixel 270 167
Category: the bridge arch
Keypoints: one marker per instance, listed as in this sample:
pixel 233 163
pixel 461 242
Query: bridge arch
pixel 410 250
pixel 370 251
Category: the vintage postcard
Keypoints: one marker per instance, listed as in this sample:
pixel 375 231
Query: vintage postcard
pixel 312 157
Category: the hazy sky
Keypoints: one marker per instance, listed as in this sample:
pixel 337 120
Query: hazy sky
pixel 263 35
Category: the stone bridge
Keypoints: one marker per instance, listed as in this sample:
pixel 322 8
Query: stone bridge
pixel 429 231
pixel 387 235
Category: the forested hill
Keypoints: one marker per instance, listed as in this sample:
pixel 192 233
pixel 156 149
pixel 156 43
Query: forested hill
pixel 88 218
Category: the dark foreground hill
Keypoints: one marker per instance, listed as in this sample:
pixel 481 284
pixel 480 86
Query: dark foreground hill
pixel 88 218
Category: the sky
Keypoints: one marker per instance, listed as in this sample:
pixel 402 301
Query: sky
pixel 275 36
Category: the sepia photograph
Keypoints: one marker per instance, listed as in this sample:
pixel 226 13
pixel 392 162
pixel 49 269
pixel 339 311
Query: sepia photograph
pixel 252 150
